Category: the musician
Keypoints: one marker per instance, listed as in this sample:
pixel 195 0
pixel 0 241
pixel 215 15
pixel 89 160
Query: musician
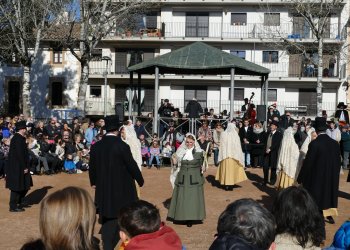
pixel 342 114
pixel 252 114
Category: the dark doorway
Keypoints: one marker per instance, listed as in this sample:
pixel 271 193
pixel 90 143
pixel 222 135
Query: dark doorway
pixel 307 97
pixel 57 94
pixel 14 92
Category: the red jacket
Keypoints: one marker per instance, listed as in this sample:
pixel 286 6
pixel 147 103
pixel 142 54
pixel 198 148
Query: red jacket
pixel 165 239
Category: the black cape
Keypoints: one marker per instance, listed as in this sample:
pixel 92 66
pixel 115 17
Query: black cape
pixel 18 161
pixel 320 171
pixel 113 171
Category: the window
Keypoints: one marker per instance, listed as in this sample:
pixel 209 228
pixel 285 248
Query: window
pixel 238 95
pixel 57 56
pixel 96 54
pixel 197 24
pixel 239 53
pixel 151 20
pixel 125 58
pixel 272 19
pixel 238 18
pixel 95 91
pixel 57 94
pixel 270 56
pixel 272 95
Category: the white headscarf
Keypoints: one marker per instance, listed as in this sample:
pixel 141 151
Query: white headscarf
pixel 134 144
pixel 183 152
pixel 230 145
pixel 289 154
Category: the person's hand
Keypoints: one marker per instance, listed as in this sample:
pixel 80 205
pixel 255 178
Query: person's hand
pixel 268 151
pixel 26 171
pixel 258 141
pixel 93 186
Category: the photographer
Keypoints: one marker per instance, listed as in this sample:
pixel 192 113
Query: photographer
pixel 165 110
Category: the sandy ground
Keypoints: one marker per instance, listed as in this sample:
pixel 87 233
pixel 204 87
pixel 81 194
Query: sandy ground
pixel 17 228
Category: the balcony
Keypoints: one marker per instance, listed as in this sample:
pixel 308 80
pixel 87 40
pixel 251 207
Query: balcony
pixel 183 30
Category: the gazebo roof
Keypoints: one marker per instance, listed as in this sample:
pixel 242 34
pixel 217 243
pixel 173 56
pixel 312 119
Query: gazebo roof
pixel 199 58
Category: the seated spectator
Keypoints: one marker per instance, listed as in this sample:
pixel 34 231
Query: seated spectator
pixel 52 130
pixel 203 143
pixel 155 137
pixel 47 150
pixel 141 228
pixel 300 224
pixel 245 225
pixel 155 153
pixel 81 154
pixel 205 131
pixel 74 230
pixel 36 157
pixel 169 137
pixel 144 150
pixel 167 150
pixel 341 239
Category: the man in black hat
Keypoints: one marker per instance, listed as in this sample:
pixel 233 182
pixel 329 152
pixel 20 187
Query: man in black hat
pixel 112 173
pixel 320 171
pixel 18 178
pixel 342 114
pixel 273 144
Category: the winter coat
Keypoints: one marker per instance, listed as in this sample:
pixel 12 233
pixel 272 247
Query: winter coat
pixel 272 157
pixel 193 109
pixel 231 242
pixel 319 174
pixel 113 171
pixel 18 161
pixel 258 148
pixel 341 239
pixel 345 138
pixel 288 242
pixel 165 238
pixel 187 202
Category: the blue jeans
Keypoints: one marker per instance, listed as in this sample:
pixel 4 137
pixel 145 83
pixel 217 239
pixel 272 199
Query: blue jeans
pixel 151 160
pixel 247 158
pixel 216 156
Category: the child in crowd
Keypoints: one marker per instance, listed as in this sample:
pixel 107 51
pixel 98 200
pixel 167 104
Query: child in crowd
pixel 155 152
pixel 141 228
pixel 167 150
pixel 155 137
pixel 144 149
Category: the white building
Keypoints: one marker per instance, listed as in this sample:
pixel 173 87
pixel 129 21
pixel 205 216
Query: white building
pixel 243 28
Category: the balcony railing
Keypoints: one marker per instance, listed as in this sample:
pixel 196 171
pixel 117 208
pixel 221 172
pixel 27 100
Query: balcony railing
pixel 230 31
pixel 95 106
pixel 281 69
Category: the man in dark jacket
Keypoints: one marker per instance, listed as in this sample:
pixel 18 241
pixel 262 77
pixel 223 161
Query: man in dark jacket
pixel 286 121
pixel 319 174
pixel 193 109
pixel 274 139
pixel 342 115
pixel 245 225
pixel 246 134
pixel 113 172
pixel 18 178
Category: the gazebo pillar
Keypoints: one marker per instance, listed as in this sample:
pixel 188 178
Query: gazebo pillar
pixel 131 86
pixel 139 94
pixel 232 93
pixel 156 90
pixel 266 98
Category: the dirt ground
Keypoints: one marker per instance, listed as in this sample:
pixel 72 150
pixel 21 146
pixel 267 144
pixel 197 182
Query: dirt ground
pixel 17 228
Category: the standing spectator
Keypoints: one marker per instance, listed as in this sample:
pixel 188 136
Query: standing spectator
pixel 187 201
pixel 273 143
pixel 345 138
pixel 342 115
pixel 193 108
pixel 300 224
pixel 139 129
pixel 18 178
pixel 39 130
pixel 216 141
pixel 231 158
pixel 4 152
pixel 258 140
pixel 244 107
pixel 320 172
pixel 164 112
pixel 300 134
pixel 90 134
pixel 144 150
pixel 286 121
pixel 245 134
pixel 333 132
pixel 245 225
pixel 113 180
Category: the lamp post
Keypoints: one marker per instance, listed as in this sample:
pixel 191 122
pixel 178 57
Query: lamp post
pixel 107 59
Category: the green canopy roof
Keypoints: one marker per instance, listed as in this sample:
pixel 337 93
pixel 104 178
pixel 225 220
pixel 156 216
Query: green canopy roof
pixel 199 58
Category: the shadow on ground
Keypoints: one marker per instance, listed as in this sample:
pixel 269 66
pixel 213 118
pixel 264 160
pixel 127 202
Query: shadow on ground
pixel 37 195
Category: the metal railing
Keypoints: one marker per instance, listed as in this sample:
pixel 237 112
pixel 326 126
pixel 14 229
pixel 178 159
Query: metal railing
pixel 229 31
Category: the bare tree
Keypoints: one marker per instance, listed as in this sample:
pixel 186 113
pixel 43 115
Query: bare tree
pixel 97 20
pixel 23 25
pixel 311 20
